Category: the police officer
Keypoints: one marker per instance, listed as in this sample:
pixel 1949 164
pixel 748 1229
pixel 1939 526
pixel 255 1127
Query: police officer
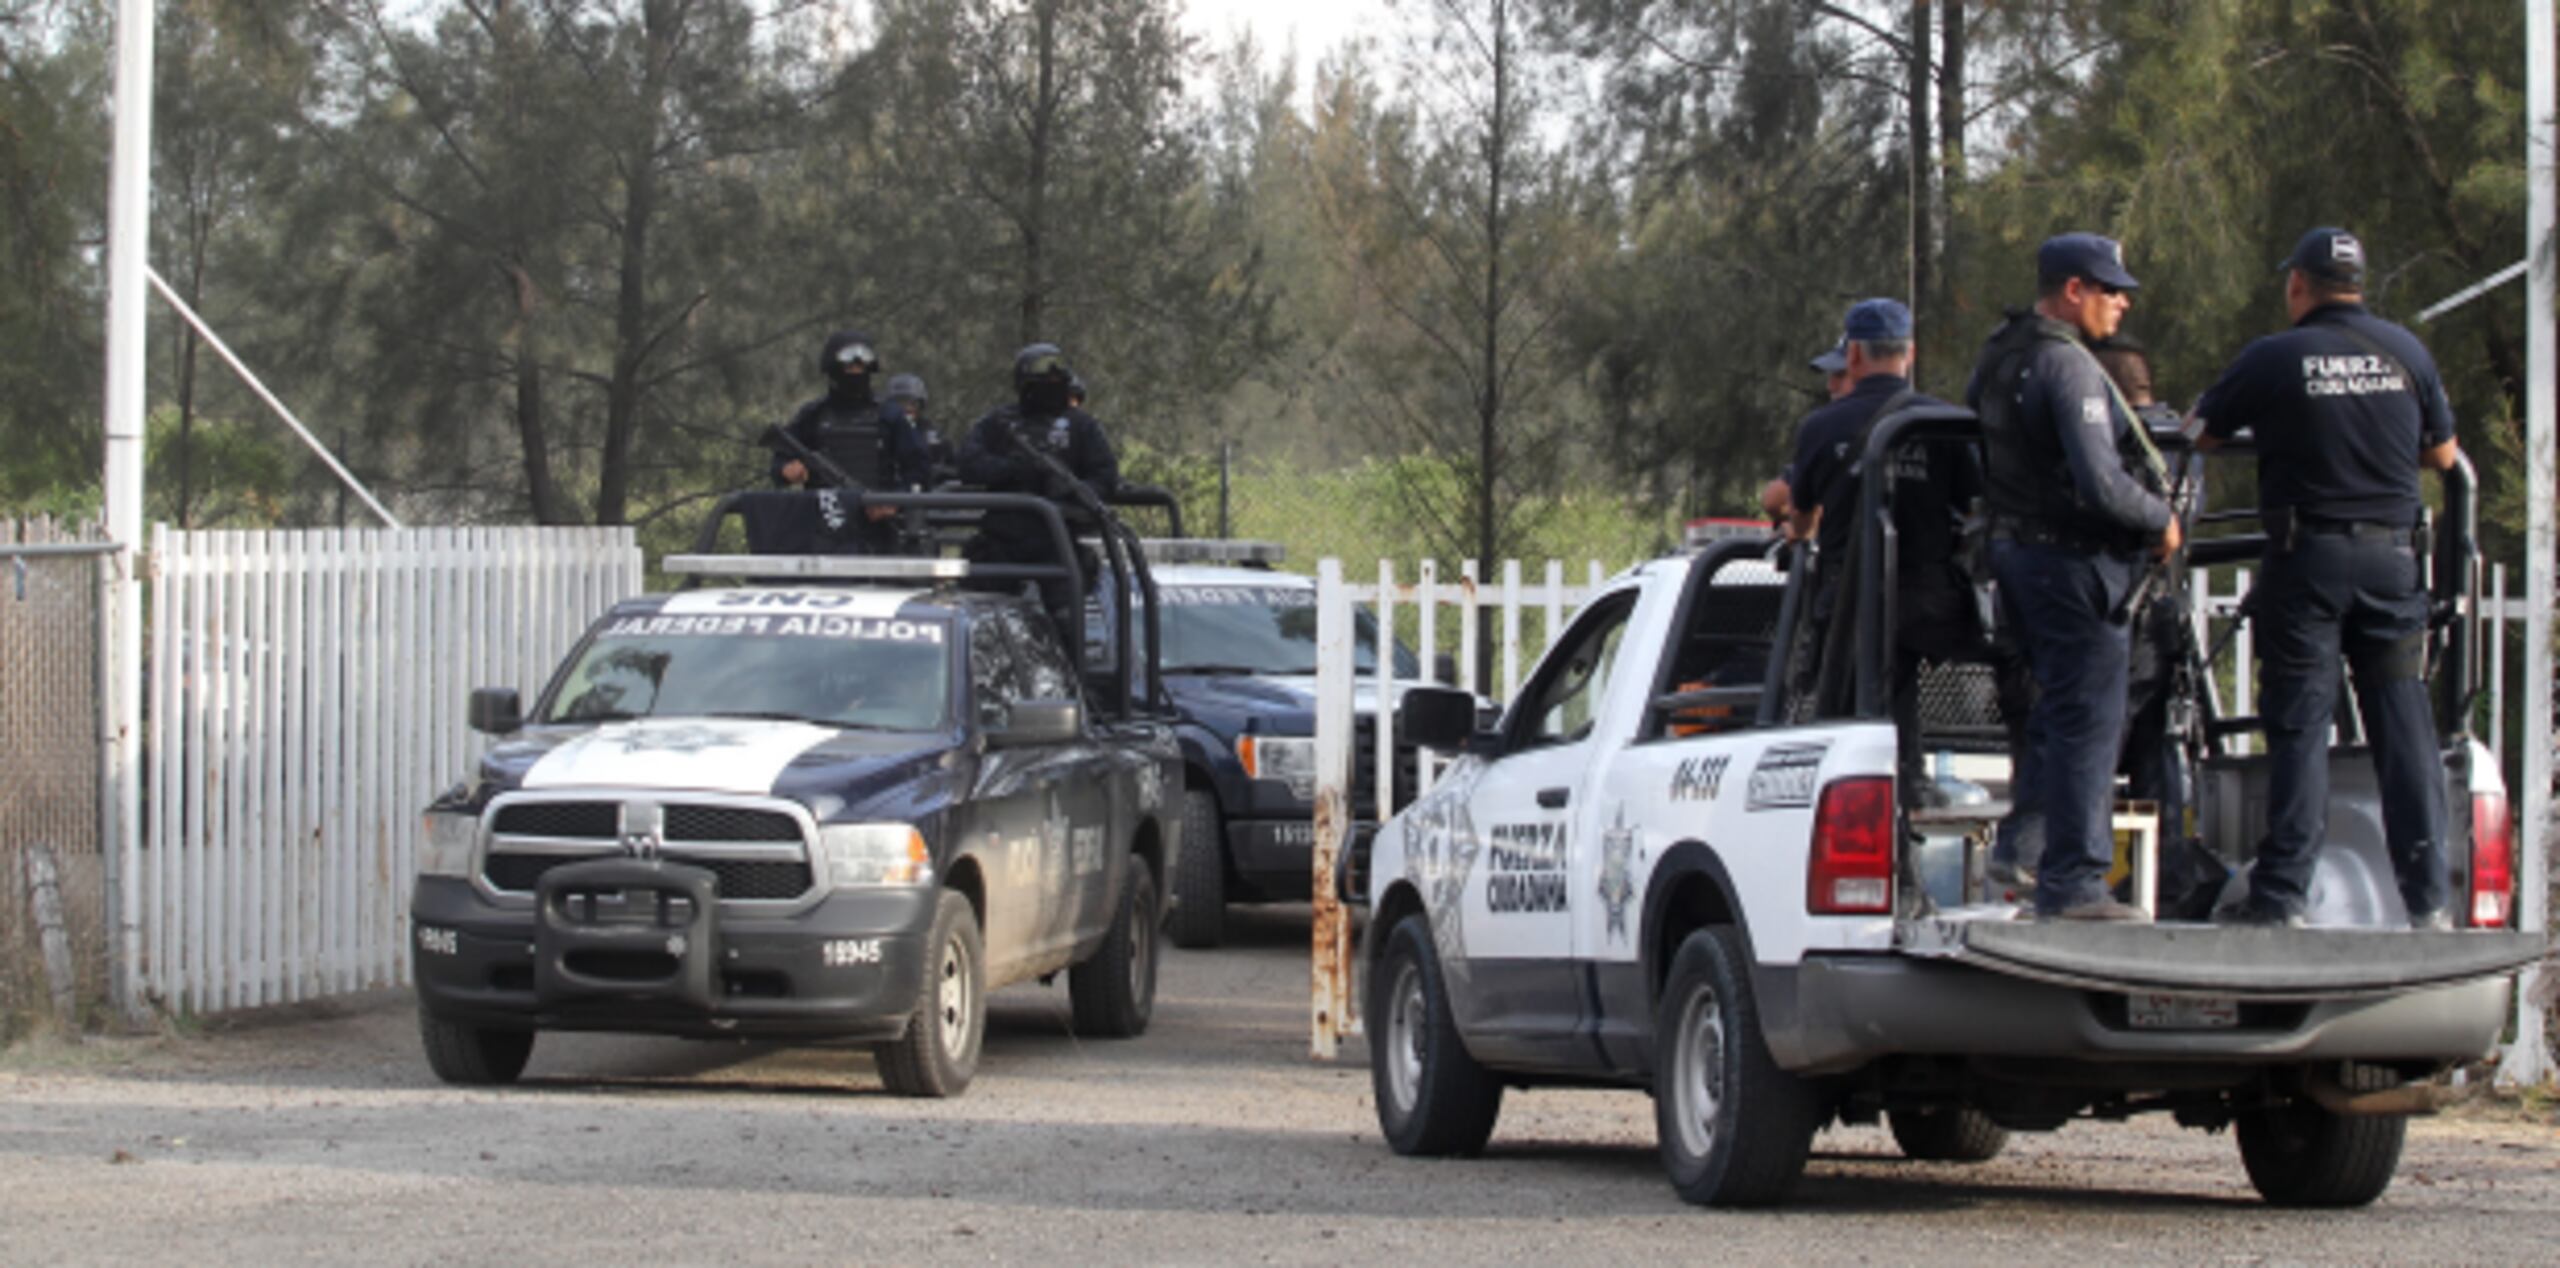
pixel 1777 498
pixel 2069 524
pixel 2154 763
pixel 873 444
pixel 2346 407
pixel 1931 483
pixel 997 457
pixel 907 392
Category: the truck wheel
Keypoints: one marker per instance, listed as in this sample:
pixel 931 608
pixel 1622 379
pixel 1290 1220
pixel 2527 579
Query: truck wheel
pixel 939 1052
pixel 1734 1128
pixel 1199 875
pixel 1947 1133
pixel 1114 993
pixel 473 1056
pixel 1433 1099
pixel 2303 1155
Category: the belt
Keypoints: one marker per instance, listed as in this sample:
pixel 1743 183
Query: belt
pixel 2397 534
pixel 2045 533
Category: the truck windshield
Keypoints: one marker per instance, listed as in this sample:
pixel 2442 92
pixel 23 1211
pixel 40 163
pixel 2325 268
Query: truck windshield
pixel 1246 629
pixel 890 675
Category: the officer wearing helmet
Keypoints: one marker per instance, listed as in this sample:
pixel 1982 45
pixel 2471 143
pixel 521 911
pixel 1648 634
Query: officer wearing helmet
pixel 873 445
pixel 907 393
pixel 998 457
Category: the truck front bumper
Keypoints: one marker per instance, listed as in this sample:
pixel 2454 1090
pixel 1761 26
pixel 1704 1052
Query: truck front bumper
pixel 623 945
pixel 1275 856
pixel 1837 1012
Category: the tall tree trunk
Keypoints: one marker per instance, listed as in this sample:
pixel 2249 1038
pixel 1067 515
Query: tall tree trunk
pixel 1949 303
pixel 661 24
pixel 539 487
pixel 1924 156
pixel 1489 396
pixel 1035 199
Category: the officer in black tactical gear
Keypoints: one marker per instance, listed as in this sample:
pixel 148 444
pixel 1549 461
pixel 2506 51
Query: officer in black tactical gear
pixel 907 392
pixel 873 445
pixel 2070 523
pixel 2346 409
pixel 997 456
pixel 2154 761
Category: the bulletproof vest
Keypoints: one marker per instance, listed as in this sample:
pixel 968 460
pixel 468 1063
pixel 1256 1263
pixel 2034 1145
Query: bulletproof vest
pixel 851 436
pixel 2026 476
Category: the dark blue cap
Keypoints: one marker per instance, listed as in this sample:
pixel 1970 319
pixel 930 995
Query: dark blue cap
pixel 1833 359
pixel 2087 256
pixel 1872 319
pixel 2332 255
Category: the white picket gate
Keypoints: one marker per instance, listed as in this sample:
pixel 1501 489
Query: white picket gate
pixel 304 699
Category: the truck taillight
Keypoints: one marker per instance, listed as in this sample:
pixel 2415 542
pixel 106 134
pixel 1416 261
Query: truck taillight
pixel 2493 861
pixel 1851 872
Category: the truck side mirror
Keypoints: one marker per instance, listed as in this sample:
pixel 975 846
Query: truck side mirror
pixel 1039 722
pixel 1444 669
pixel 496 711
pixel 1437 717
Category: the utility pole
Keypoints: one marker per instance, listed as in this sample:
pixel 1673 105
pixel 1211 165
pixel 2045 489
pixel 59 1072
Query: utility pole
pixel 120 634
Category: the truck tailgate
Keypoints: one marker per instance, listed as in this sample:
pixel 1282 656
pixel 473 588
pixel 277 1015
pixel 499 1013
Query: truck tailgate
pixel 2241 963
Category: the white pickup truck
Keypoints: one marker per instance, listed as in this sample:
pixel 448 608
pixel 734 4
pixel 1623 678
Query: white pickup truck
pixel 1638 881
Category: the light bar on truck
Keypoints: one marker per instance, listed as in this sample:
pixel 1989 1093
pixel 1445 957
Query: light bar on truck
pixel 1210 550
pixel 842 567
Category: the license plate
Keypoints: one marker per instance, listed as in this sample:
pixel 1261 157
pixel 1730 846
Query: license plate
pixel 2181 1012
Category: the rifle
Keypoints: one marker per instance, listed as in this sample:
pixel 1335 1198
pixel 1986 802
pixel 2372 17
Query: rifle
pixel 777 437
pixel 2180 492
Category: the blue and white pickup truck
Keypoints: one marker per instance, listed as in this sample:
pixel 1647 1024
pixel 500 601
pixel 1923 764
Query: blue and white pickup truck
pixel 834 804
pixel 1638 881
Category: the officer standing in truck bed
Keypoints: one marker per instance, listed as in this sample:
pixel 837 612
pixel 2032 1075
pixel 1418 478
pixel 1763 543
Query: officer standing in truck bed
pixel 2346 408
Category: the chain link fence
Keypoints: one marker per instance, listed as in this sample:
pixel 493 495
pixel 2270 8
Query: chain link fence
pixel 53 928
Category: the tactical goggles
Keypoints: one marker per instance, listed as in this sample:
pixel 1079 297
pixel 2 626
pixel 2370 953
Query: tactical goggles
pixel 853 354
pixel 1046 365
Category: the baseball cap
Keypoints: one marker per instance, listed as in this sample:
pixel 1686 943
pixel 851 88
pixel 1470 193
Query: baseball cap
pixel 2332 255
pixel 1833 359
pixel 1871 319
pixel 2083 255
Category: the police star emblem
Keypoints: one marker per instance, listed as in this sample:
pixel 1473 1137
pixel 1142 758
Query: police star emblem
pixel 1617 873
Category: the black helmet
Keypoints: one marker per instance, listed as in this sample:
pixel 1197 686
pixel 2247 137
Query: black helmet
pixel 1041 363
pixel 848 353
pixel 907 387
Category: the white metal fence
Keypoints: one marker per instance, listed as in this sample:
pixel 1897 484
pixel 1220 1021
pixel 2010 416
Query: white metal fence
pixel 304 699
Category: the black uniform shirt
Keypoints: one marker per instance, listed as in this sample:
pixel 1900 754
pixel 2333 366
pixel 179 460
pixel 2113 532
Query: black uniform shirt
pixel 1929 481
pixel 875 443
pixel 990 459
pixel 2063 397
pixel 2339 426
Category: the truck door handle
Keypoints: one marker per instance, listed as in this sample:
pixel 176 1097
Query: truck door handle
pixel 1553 798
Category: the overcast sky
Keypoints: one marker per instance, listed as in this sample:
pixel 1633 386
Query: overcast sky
pixel 1318 25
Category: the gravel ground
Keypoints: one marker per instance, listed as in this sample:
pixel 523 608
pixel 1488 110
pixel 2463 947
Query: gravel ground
pixel 318 1135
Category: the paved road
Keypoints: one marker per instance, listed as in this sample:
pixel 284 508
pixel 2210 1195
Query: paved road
pixel 321 1137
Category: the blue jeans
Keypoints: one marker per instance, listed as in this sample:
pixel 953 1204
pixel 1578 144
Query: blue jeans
pixel 2061 604
pixel 2353 597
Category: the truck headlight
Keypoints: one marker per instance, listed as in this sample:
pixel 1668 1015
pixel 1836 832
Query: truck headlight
pixel 1289 760
pixel 444 848
pixel 874 854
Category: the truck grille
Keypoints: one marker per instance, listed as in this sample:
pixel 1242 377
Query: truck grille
pixel 705 834
pixel 745 879
pixel 1364 773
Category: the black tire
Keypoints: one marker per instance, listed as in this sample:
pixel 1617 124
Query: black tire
pixel 2302 1155
pixel 1433 1099
pixel 1734 1128
pixel 1199 886
pixel 1114 993
pixel 939 1053
pixel 473 1056
pixel 1947 1133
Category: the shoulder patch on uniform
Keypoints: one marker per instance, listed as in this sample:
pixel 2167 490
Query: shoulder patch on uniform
pixel 2093 409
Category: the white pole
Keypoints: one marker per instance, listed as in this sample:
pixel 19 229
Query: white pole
pixel 2527 1060
pixel 128 245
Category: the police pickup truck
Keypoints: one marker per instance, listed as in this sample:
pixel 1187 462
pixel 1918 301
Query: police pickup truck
pixel 1636 880
pixel 1239 670
pixel 843 801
